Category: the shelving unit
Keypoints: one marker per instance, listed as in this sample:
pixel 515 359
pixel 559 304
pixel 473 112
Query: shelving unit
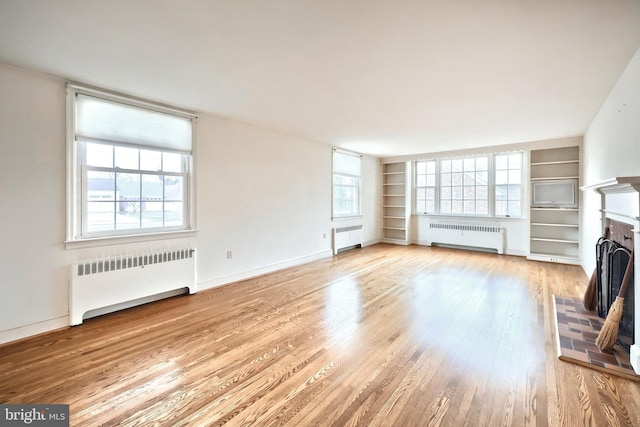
pixel 555 232
pixel 395 215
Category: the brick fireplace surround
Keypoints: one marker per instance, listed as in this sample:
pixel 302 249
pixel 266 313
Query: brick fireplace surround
pixel 620 201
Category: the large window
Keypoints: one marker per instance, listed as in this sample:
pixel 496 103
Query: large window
pixel 346 184
pixel 131 171
pixel 484 185
pixel 464 186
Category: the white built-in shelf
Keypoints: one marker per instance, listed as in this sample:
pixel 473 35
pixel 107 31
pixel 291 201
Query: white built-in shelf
pixel 561 162
pixel 541 239
pixel 546 224
pixel 554 231
pixel 395 216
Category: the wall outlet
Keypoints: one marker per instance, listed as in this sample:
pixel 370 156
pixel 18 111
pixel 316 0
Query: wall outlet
pixel 324 235
pixel 229 254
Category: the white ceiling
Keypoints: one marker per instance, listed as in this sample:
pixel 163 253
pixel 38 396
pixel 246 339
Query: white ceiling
pixel 383 77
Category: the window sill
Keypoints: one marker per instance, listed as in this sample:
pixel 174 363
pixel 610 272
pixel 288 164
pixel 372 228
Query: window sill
pixel 471 217
pixel 346 218
pixel 120 240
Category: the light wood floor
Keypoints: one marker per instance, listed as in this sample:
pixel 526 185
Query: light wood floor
pixel 386 335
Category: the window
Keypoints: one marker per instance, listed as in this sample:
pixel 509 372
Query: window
pixel 346 184
pixel 508 187
pixel 426 186
pixel 464 186
pixel 131 172
pixel 483 185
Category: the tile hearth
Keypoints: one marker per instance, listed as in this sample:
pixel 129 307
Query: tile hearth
pixel 576 332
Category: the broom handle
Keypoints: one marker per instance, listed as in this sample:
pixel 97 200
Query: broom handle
pixel 626 278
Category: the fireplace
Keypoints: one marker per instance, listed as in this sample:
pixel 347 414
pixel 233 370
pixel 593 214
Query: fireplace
pixel 612 258
pixel 620 202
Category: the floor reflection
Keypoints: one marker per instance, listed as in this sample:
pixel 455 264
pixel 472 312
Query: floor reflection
pixel 342 312
pixel 488 326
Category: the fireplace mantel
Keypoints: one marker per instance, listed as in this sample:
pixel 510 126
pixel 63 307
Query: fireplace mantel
pixel 621 184
pixel 620 200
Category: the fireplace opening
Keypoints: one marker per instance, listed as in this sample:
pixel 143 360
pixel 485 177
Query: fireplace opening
pixel 612 256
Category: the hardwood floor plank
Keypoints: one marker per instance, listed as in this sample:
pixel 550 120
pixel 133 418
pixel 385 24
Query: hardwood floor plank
pixel 385 335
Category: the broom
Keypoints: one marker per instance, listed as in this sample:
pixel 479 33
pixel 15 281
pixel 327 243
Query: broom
pixel 590 299
pixel 609 332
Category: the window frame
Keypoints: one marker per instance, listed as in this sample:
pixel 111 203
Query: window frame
pixel 435 186
pixel 491 184
pixel 77 192
pixel 521 183
pixel 358 187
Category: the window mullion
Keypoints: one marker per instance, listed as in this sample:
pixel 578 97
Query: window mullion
pixel 437 187
pixel 492 188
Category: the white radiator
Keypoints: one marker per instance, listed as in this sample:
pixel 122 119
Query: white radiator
pixel 346 237
pixel 109 282
pixel 478 236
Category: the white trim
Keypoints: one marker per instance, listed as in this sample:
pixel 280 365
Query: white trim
pixel 371 242
pixel 32 329
pixel 347 152
pixel 345 218
pixel 294 262
pixel 71 169
pixel 635 358
pixel 621 184
pixel 130 100
pixel 134 238
pixel 553 258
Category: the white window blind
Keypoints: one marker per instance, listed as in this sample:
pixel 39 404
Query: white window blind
pixel 100 119
pixel 346 164
pixel 346 184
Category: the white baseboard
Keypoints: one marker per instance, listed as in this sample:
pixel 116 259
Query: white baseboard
pixel 553 258
pixel 516 252
pixel 371 242
pixel 399 242
pixel 214 283
pixel 33 329
pixel 635 358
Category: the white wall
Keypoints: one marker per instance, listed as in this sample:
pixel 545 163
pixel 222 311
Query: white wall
pixel 33 263
pixel 611 149
pixel 263 195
